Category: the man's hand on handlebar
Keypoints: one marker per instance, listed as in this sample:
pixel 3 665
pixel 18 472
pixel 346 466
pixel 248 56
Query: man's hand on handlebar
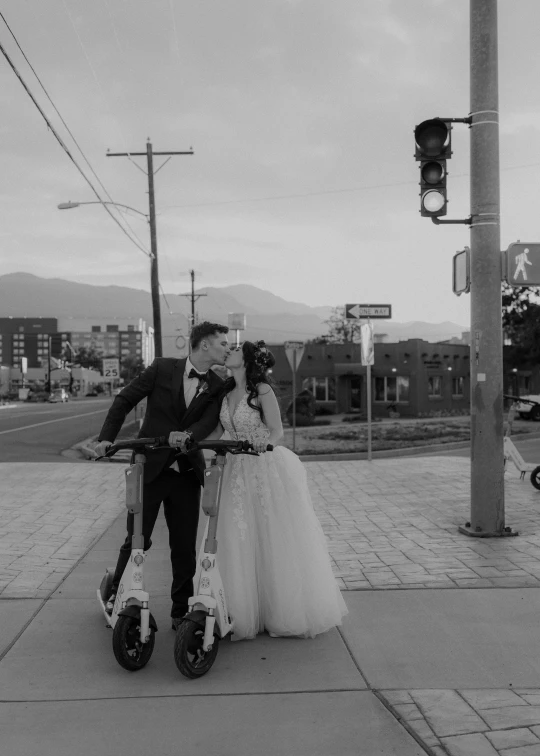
pixel 179 440
pixel 101 448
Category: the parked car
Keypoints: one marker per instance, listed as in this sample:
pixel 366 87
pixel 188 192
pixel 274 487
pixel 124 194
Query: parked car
pixel 92 392
pixel 529 409
pixel 58 395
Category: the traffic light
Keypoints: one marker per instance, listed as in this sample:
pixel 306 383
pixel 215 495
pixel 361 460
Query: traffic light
pixel 433 149
pixel 56 345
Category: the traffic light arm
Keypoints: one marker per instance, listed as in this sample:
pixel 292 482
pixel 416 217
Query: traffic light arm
pixel 438 221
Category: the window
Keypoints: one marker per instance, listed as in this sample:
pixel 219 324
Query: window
pixel 322 388
pixel 96 329
pixel 434 385
pixel 112 329
pixel 457 386
pixel 131 327
pixel 392 388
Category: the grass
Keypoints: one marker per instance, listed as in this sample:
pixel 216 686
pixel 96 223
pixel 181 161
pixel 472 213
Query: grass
pixel 344 439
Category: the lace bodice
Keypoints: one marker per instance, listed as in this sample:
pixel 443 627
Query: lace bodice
pixel 246 422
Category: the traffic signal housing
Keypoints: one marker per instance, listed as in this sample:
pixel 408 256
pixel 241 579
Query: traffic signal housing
pixel 56 345
pixel 433 148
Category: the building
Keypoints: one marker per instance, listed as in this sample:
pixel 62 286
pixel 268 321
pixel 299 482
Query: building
pixel 25 337
pixel 113 337
pixel 421 378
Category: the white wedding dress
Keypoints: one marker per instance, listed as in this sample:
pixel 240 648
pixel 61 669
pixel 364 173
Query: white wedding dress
pixel 273 556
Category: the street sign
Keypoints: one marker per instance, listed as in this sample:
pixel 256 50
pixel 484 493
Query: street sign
pixel 367 350
pixel 523 264
pixel 461 272
pixel 368 311
pixel 237 321
pixel 111 368
pixel 294 351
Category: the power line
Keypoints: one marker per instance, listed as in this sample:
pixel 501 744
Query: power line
pixel 330 191
pixel 65 148
pixel 63 121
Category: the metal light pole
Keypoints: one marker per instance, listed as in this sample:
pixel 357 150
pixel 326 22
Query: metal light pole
pixel 487 468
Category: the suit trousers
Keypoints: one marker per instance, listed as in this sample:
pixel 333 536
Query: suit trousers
pixel 180 494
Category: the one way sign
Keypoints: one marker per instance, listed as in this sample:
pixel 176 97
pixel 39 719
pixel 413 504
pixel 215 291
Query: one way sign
pixel 368 311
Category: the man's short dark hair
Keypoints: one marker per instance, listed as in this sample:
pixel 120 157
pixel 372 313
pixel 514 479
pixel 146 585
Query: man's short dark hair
pixel 206 328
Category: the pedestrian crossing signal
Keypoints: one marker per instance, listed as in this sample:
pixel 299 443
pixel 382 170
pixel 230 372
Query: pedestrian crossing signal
pixel 433 148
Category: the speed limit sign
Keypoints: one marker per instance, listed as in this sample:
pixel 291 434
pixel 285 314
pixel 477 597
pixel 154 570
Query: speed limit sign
pixel 111 369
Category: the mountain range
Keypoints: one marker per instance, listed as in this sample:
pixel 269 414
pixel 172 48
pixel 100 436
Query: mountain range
pixel 268 316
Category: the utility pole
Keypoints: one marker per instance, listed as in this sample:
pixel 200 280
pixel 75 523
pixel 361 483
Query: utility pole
pixel 154 274
pixel 194 298
pixel 487 468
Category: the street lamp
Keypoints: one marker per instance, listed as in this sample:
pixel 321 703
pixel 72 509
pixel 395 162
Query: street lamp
pixel 154 281
pixel 70 205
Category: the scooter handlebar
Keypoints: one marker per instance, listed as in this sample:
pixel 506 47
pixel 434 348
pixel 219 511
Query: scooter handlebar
pixel 162 442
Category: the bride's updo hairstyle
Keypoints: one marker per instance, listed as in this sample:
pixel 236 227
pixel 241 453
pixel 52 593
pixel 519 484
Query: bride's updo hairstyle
pixel 258 360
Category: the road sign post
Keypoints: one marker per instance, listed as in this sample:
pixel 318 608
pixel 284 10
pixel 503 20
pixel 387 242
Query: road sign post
pixel 294 351
pixel 366 345
pixel 368 359
pixel 237 322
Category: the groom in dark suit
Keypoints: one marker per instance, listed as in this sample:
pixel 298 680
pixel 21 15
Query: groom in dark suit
pixel 183 401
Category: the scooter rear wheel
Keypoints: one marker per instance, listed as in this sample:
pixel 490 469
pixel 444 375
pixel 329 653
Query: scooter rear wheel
pixel 130 653
pixel 189 656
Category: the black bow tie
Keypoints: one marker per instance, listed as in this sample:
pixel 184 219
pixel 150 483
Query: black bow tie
pixel 194 374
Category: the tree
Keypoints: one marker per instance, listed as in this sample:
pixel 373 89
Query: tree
pixel 341 330
pixel 131 366
pixel 88 357
pixel 521 325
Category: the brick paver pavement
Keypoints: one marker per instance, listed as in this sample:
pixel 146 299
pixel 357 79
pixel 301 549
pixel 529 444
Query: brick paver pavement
pixel 390 523
pixel 50 515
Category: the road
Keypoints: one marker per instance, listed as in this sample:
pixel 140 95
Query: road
pixel 40 432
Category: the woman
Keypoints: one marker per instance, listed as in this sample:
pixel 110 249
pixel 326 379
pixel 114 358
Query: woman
pixel 272 551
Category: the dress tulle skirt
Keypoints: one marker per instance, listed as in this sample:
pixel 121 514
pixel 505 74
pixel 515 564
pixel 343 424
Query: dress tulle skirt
pixel 273 556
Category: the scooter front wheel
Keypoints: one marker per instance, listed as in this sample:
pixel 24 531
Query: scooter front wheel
pixel 189 656
pixel 535 477
pixel 130 652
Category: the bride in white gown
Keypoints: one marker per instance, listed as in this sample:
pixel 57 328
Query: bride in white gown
pixel 272 551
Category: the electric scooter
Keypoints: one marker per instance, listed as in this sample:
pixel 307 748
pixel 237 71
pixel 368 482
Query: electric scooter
pixel 207 620
pixel 133 625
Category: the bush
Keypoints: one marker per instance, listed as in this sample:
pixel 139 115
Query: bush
pixel 321 409
pixel 305 409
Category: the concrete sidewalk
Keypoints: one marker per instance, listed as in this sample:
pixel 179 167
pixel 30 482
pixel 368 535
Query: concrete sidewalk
pixel 438 653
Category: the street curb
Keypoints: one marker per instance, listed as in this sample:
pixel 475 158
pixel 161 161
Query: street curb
pixel 408 451
pixel 8 406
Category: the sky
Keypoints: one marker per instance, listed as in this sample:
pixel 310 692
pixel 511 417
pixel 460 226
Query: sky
pixel 300 114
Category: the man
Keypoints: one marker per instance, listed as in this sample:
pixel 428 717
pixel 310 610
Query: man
pixel 183 402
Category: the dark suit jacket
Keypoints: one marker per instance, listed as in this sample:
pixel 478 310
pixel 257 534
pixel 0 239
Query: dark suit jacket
pixel 163 385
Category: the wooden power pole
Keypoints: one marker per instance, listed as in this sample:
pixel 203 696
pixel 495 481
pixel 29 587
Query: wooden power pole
pixel 154 273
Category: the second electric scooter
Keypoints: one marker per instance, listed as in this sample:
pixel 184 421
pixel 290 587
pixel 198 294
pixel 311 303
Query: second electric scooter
pixel 207 620
pixel 133 625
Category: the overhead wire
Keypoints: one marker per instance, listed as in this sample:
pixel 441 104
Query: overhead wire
pixel 98 82
pixel 66 150
pixel 64 122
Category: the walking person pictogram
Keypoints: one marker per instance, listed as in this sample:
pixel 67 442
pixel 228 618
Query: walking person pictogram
pixel 521 261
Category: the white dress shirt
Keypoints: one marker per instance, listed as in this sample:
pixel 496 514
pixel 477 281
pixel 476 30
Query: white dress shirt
pixel 190 389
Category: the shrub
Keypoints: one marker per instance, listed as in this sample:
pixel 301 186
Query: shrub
pixel 305 409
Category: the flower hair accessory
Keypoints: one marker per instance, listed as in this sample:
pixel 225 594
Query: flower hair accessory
pixel 262 357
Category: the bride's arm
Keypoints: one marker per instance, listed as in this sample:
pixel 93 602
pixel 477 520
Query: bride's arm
pixel 272 415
